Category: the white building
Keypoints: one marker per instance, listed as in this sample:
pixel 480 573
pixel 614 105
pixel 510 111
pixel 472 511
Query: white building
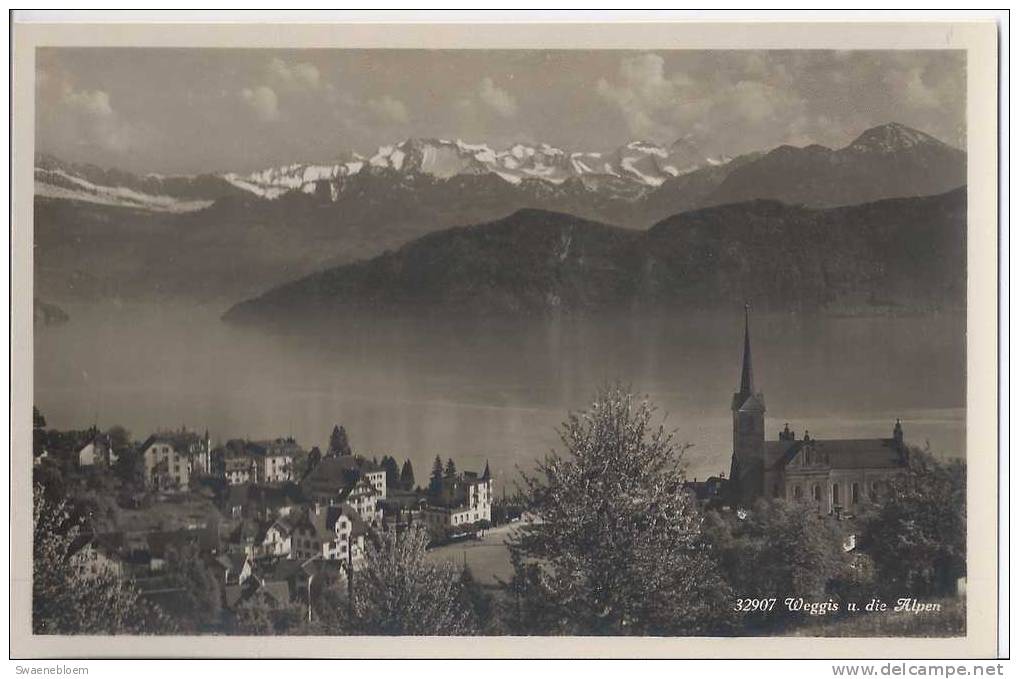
pixel 171 457
pixel 333 533
pixel 462 501
pixel 239 470
pixel 96 453
pixel 275 460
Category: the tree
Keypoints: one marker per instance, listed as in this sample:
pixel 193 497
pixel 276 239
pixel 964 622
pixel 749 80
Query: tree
pixel 130 467
pixel 119 438
pixel 407 476
pixel 400 592
pixel 450 467
pixel 338 443
pixel 198 606
pixel 71 593
pixel 38 432
pixel 480 603
pixel 614 548
pixel 310 462
pixel 917 537
pixel 392 469
pixel 795 552
pixel 257 616
pixel 435 482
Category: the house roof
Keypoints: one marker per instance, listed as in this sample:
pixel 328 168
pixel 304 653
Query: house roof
pixel 99 441
pixel 362 487
pixel 109 543
pixel 237 464
pixel 231 561
pixel 702 490
pixel 334 475
pixel 276 590
pixel 281 446
pixel 158 542
pixel 322 523
pixel 180 440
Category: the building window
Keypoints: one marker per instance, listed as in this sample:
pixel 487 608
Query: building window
pixel 856 493
pixel 817 493
pixel 797 492
pixel 835 498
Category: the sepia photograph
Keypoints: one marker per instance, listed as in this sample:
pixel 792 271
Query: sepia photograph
pixel 665 341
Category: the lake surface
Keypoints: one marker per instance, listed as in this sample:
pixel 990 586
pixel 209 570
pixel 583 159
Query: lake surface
pixel 478 391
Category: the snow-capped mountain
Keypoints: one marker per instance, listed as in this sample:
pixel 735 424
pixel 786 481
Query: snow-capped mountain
pixel 641 164
pixel 892 138
pixel 242 232
pixel 55 178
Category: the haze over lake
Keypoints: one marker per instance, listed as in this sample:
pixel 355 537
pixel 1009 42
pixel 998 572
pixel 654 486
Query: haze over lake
pixel 496 390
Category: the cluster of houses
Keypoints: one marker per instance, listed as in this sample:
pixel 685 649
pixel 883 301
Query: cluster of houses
pixel 280 530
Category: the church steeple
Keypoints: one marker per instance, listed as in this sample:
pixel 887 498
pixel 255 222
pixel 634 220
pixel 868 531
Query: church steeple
pixel 746 383
pixel 748 455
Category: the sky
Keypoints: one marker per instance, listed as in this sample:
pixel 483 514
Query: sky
pixel 215 110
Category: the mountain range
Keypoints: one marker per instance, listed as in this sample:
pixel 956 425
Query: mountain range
pixel 105 233
pixel 896 254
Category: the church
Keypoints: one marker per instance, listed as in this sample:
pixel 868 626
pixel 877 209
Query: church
pixel 838 475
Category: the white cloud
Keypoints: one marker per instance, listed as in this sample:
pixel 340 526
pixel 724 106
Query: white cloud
pixel 83 117
pixel 754 99
pixel 95 103
pixel 910 81
pixel 389 109
pixel 646 98
pixel 263 102
pixel 496 98
pixel 301 75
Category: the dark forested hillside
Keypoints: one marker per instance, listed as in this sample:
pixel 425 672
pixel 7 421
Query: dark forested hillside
pixel 904 254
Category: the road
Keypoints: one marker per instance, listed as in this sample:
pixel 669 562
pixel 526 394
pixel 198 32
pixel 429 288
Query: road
pixel 488 558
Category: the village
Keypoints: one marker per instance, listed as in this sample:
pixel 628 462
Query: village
pixel 274 524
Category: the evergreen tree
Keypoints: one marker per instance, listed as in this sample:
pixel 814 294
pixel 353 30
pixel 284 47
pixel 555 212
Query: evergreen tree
pixel 392 469
pixel 338 443
pixel 435 483
pixel 407 476
pixel 314 457
pixel 450 467
pixel 615 545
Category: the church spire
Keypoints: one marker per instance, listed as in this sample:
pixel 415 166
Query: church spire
pixel 746 383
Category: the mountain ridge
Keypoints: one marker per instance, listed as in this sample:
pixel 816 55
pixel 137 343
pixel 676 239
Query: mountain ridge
pixel 901 253
pixel 634 169
pixel 204 238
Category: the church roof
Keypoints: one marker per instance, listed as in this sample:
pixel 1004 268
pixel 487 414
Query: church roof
pixel 753 402
pixel 842 453
pixel 746 382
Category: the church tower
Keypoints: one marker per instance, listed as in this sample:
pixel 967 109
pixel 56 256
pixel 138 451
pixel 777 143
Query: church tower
pixel 747 472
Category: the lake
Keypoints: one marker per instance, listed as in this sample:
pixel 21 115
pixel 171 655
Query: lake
pixel 496 390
